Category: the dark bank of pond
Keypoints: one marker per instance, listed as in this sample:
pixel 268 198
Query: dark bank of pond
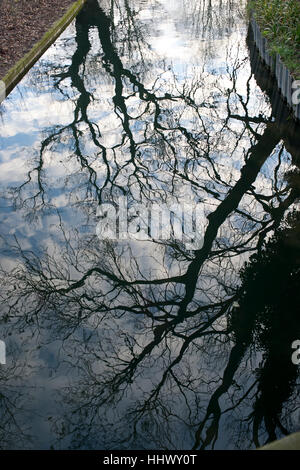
pixel 150 232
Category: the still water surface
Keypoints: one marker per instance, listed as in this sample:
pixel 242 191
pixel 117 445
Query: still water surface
pixel 144 341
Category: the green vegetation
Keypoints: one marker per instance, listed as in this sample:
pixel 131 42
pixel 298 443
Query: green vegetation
pixel 279 21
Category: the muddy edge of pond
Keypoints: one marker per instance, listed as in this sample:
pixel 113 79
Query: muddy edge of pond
pixel 285 81
pixel 17 71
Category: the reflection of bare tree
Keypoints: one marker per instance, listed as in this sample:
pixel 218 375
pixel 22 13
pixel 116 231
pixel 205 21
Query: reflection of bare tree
pixel 13 402
pixel 267 315
pixel 158 340
pixel 84 300
pixel 113 326
pixel 163 130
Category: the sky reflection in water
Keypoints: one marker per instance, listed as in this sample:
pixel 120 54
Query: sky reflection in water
pixel 145 344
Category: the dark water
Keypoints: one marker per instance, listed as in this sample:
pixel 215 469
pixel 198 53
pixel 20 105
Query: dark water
pixel 149 339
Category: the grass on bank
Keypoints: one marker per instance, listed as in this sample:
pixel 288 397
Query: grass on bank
pixel 279 21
